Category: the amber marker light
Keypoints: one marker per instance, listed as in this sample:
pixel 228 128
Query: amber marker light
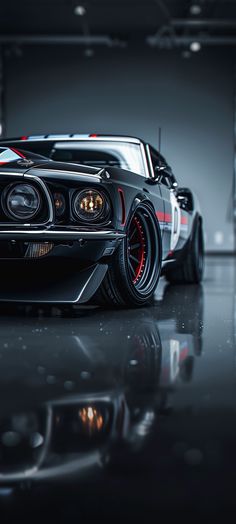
pixel 38 249
pixel 60 204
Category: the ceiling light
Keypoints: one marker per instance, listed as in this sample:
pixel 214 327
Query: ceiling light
pixel 195 9
pixel 80 10
pixel 89 52
pixel 195 47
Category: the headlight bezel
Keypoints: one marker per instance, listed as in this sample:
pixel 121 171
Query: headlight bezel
pixel 99 218
pixel 7 209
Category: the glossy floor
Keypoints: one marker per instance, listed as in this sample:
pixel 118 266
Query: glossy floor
pixel 123 414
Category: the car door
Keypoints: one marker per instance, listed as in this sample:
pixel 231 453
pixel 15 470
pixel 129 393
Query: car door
pixel 172 217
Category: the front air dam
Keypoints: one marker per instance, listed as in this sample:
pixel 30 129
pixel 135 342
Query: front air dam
pixel 24 283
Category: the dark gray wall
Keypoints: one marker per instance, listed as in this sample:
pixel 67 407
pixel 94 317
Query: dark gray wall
pixel 57 89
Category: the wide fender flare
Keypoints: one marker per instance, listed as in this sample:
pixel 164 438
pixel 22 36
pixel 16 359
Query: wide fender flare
pixel 143 199
pixel 196 220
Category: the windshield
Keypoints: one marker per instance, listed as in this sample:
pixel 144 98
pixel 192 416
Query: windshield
pixel 101 154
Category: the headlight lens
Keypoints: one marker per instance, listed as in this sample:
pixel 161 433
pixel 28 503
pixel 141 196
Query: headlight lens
pixel 22 201
pixel 92 420
pixel 90 205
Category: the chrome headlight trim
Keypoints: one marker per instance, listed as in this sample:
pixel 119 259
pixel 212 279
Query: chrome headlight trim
pixel 6 201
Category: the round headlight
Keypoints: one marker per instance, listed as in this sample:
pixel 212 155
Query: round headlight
pixel 22 201
pixel 89 205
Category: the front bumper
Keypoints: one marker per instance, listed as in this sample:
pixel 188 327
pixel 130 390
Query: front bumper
pixel 66 242
pixel 59 233
pixel 70 273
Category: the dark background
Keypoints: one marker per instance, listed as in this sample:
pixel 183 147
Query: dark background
pixel 126 67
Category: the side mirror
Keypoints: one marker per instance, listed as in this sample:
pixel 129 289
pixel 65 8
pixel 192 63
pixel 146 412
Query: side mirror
pixel 161 169
pixel 185 198
pixel 159 172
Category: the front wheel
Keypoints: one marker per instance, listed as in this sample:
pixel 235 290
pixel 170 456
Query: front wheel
pixel 135 269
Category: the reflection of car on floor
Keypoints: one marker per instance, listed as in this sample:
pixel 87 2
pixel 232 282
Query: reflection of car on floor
pixel 84 386
pixel 101 219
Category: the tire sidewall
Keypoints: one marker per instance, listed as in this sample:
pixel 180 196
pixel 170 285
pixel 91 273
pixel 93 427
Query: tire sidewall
pixel 126 287
pixel 197 252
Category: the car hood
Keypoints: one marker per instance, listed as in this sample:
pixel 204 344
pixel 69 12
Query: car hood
pixel 44 167
pixel 63 168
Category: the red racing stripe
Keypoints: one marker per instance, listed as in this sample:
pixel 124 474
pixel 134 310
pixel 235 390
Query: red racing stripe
pixel 160 215
pixel 184 220
pixel 183 353
pixel 17 152
pixel 164 217
pixel 168 217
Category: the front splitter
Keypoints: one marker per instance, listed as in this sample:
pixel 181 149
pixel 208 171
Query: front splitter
pixel 25 283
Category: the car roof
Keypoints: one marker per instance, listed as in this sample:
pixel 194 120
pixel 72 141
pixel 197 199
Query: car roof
pixel 75 136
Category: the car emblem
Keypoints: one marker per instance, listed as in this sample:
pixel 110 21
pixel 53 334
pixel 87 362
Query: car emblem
pixel 25 162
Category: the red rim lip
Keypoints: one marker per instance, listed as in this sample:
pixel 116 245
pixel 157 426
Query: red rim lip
pixel 138 253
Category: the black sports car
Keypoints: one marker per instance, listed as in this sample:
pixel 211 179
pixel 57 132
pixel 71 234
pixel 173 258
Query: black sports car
pixel 93 217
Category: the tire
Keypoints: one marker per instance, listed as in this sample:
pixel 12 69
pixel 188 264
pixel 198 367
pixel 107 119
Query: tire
pixel 191 269
pixel 134 272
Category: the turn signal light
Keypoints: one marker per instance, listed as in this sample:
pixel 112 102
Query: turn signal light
pixel 37 250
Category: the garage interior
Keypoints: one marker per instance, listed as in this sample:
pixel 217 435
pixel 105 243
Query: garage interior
pixel 167 373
